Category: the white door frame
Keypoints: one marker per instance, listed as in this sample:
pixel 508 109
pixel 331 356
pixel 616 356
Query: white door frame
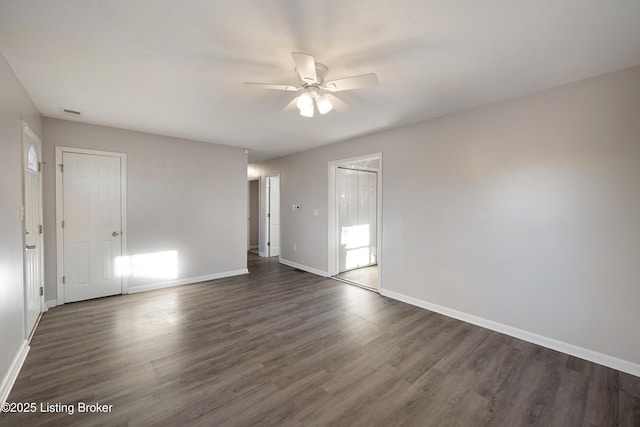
pixel 268 212
pixel 26 130
pixel 59 211
pixel 332 212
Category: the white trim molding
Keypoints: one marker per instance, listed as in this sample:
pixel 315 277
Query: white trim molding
pixel 50 304
pixel 186 281
pixel 9 380
pixel 304 267
pixel 563 347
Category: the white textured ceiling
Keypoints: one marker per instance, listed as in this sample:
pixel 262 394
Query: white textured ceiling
pixel 177 67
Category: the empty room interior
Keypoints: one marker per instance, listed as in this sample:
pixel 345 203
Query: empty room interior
pixel 320 213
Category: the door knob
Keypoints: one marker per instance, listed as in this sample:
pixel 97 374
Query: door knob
pixel 115 234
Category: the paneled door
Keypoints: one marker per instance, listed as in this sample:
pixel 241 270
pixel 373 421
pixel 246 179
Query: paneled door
pixel 92 225
pixel 32 228
pixel 273 186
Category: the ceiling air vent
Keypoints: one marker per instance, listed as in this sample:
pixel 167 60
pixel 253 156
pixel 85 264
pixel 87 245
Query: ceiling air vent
pixel 72 113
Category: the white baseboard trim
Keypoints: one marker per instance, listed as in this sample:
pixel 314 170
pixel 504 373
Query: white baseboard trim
pixel 187 281
pixel 253 247
pixel 563 347
pixel 10 378
pixel 50 304
pixel 304 267
pixel 262 254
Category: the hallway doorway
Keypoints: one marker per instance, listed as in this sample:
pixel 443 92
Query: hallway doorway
pixel 253 214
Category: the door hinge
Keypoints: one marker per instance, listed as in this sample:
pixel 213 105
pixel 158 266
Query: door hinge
pixel 40 229
pixel 268 243
pixel 63 223
pixel 41 291
pixel 268 215
pixel 61 168
pixel 64 279
pixel 39 166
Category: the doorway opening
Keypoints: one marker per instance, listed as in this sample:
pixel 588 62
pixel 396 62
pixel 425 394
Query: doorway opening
pixel 253 225
pixel 354 220
pixel 273 216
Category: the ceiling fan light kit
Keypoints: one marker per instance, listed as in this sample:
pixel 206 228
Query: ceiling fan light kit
pixel 323 104
pixel 306 112
pixel 311 75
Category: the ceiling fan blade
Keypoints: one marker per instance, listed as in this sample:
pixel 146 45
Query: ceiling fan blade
pixel 292 106
pixel 355 82
pixel 305 66
pixel 270 86
pixel 338 104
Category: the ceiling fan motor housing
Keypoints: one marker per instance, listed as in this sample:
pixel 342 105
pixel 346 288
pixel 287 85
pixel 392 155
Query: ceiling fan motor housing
pixel 321 73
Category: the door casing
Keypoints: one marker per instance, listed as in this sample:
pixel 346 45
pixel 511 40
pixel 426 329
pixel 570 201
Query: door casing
pixel 59 212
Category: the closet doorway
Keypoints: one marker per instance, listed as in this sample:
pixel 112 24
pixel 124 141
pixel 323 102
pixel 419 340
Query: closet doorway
pixel 355 221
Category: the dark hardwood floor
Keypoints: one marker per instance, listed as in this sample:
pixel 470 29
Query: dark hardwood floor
pixel 283 347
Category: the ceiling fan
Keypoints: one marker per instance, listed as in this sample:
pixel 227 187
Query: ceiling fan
pixel 314 88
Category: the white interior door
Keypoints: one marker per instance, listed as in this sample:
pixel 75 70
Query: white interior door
pixel 32 230
pixel 248 215
pixel 273 184
pixel 356 218
pixel 92 230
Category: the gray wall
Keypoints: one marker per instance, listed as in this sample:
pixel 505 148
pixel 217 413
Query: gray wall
pixel 182 195
pixel 15 106
pixel 525 212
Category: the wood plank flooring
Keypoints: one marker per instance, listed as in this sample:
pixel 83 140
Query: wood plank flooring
pixel 282 347
pixel 366 276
